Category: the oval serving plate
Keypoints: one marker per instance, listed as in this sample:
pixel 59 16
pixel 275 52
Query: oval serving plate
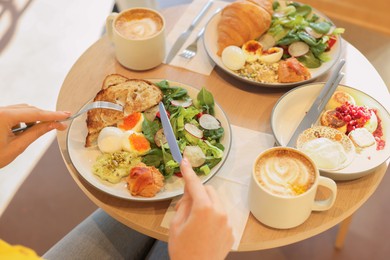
pixel 290 109
pixel 83 158
pixel 210 42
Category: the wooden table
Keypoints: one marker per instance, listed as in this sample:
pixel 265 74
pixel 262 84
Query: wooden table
pixel 246 106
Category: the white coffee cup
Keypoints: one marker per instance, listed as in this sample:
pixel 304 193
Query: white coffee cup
pixel 283 188
pixel 139 37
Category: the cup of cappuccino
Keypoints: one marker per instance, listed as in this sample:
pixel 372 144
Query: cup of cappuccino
pixel 283 187
pixel 138 35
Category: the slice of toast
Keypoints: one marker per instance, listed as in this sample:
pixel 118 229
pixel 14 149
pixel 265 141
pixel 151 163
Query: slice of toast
pixel 113 79
pixel 136 95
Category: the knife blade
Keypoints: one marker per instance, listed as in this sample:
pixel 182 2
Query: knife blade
pixel 319 103
pixel 184 36
pixel 168 132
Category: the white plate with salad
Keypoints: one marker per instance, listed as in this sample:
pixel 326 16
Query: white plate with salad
pixel 297 28
pixel 84 159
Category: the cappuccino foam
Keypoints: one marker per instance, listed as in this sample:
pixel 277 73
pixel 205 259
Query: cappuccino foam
pixel 285 173
pixel 138 24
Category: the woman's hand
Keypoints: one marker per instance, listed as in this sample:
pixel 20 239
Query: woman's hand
pixel 200 228
pixel 11 145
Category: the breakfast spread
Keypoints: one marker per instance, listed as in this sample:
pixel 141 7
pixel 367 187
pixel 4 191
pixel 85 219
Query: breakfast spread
pixel 132 145
pixel 280 45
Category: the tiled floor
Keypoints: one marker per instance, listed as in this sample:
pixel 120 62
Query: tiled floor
pixel 49 203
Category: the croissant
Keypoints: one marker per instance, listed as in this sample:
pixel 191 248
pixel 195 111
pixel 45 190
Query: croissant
pixel 242 21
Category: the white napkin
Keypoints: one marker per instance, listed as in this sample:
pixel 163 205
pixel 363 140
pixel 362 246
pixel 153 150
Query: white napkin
pixel 232 180
pixel 201 63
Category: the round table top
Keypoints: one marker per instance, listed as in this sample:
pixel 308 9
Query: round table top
pixel 246 106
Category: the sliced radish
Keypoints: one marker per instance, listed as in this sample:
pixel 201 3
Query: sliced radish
pixel 195 155
pixel 193 130
pixel 150 114
pixel 209 122
pixel 313 33
pixel 297 49
pixel 159 137
pixel 267 41
pixel 182 103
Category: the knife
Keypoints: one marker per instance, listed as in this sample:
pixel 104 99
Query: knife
pixel 319 104
pixel 184 36
pixel 168 132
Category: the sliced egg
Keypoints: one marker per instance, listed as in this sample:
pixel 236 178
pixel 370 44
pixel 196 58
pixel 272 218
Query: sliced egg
pixel 135 142
pixel 252 50
pixel 233 57
pixel 110 139
pixel 132 122
pixel 272 55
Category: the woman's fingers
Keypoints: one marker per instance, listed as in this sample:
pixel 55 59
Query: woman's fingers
pixel 193 186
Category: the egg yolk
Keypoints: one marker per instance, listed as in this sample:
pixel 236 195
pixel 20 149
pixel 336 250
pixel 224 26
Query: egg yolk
pixel 130 121
pixel 139 143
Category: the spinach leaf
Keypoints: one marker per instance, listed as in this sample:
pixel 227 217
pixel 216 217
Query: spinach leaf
pixel 150 128
pixel 206 101
pixel 321 27
pixel 153 158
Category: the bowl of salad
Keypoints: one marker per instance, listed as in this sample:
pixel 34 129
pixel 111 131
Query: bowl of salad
pixel 300 41
pixel 202 130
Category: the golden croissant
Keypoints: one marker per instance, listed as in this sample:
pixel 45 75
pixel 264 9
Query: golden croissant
pixel 242 21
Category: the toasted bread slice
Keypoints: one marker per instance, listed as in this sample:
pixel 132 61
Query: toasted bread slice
pixel 113 79
pixel 136 95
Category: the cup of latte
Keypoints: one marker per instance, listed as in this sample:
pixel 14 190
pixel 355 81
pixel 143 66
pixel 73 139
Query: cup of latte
pixel 138 35
pixel 283 187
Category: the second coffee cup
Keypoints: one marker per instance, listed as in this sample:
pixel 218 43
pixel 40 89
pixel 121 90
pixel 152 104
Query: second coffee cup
pixel 138 35
pixel 283 188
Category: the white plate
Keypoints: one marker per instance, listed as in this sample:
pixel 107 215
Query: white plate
pixel 83 158
pixel 210 42
pixel 291 108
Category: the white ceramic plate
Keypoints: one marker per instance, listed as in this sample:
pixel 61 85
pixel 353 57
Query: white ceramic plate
pixel 210 42
pixel 83 158
pixel 291 108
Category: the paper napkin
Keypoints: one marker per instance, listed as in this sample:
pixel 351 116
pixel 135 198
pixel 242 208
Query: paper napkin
pixel 232 180
pixel 201 63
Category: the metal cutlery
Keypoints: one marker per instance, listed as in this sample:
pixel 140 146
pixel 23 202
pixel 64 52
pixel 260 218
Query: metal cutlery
pixel 184 36
pixel 192 49
pixel 319 104
pixel 93 105
pixel 168 132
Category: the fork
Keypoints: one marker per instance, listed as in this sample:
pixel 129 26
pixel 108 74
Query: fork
pixel 192 49
pixel 93 105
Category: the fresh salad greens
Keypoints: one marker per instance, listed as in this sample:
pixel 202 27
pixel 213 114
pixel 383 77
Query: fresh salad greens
pixel 293 22
pixel 198 138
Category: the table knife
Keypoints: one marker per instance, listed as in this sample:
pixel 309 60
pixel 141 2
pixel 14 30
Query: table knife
pixel 319 104
pixel 184 36
pixel 168 132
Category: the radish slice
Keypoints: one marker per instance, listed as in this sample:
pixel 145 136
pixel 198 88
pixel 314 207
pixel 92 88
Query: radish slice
pixel 267 41
pixel 159 138
pixel 297 49
pixel 313 33
pixel 195 155
pixel 193 130
pixel 209 122
pixel 182 103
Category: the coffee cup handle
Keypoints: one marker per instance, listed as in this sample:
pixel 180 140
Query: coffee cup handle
pixel 321 205
pixel 109 26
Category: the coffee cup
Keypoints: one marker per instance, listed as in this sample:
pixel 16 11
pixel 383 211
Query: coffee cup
pixel 283 187
pixel 138 35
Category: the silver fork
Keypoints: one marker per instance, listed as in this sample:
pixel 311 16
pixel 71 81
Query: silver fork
pixel 192 49
pixel 93 105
